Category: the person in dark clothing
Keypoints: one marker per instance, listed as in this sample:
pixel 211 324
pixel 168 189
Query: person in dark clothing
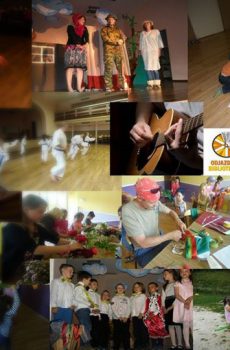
pixel 26 240
pixel 75 54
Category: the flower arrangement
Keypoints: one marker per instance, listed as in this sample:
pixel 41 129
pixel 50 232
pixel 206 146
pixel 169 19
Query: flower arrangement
pixel 36 272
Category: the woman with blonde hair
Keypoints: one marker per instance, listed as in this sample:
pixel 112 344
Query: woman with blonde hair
pixel 150 46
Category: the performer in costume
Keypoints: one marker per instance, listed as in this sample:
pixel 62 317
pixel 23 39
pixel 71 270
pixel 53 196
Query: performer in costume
pixel 154 317
pixel 105 319
pixel 150 46
pixel 113 39
pixel 75 54
pixel 95 313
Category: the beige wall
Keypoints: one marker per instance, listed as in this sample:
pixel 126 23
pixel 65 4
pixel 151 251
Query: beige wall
pixel 205 17
pixel 166 14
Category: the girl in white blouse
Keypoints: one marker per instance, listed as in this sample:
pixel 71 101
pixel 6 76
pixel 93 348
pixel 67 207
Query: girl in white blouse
pixel 137 302
pixel 168 298
pixel 121 321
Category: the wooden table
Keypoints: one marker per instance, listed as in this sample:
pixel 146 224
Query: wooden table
pixel 167 259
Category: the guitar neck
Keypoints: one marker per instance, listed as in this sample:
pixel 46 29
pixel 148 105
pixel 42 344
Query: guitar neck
pixel 192 123
pixel 189 125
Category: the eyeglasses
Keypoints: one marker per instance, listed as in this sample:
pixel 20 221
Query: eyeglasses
pixel 153 190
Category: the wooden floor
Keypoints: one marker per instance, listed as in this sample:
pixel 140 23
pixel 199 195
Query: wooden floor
pixel 86 173
pixel 15 79
pixel 170 91
pixel 206 58
pixel 30 330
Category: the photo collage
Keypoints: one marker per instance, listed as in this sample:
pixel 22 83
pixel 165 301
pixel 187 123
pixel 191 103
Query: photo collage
pixel 115 175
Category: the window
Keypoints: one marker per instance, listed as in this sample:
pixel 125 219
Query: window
pixel 43 54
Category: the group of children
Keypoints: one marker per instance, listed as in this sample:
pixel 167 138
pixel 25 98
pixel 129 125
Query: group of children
pixel 139 321
pixel 47 145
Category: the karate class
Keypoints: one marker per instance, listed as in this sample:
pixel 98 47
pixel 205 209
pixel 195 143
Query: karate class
pixel 208 52
pixel 204 206
pixel 86 169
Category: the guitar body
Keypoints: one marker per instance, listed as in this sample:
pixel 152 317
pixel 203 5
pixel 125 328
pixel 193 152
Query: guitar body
pixel 145 160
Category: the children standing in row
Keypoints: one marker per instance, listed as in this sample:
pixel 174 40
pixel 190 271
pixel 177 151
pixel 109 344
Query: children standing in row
pixel 152 317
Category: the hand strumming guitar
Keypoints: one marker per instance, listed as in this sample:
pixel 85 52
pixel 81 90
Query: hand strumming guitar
pixel 141 134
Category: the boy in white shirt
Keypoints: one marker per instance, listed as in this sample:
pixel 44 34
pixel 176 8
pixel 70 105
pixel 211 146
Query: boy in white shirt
pixel 61 295
pixel 84 303
pixel 95 313
pixel 137 302
pixel 106 318
pixel 4 151
pixel 121 314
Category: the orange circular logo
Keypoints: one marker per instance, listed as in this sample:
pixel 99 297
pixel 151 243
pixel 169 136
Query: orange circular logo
pixel 221 145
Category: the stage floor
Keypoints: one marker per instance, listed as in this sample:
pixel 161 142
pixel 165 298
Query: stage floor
pixel 206 58
pixel 170 91
pixel 86 173
pixel 15 79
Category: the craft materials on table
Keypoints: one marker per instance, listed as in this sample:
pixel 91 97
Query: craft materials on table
pixel 215 222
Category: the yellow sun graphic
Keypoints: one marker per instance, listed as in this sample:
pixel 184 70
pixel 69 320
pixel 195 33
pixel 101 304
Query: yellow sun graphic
pixel 221 144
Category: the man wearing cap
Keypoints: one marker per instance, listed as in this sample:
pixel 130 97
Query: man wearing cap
pixel 113 39
pixel 140 219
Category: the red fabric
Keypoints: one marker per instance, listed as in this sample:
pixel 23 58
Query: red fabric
pixel 97 81
pixel 78 28
pixel 174 187
pixel 155 323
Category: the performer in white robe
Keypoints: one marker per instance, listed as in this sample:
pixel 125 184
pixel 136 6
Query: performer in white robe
pixel 150 46
pixel 76 142
pixel 59 145
pixel 4 151
pixel 88 138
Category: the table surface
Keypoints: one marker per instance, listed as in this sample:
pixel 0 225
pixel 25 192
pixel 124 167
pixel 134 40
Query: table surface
pixel 167 259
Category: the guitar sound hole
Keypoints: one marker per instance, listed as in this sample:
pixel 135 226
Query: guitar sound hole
pixel 145 152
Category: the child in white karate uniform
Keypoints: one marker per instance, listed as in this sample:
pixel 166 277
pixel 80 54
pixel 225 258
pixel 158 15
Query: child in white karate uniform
pixel 76 141
pixel 4 151
pixel 23 143
pixel 59 145
pixel 95 313
pixel 121 314
pixel 45 144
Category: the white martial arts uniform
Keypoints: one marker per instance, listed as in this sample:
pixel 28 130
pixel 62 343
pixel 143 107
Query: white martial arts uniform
pixel 45 147
pixel 150 43
pixel 4 152
pixel 23 146
pixel 76 141
pixel 59 144
pixel 89 139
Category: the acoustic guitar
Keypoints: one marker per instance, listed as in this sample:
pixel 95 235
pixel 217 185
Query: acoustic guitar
pixel 145 160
